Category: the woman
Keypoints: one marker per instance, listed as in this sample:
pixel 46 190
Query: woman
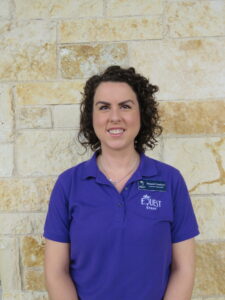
pixel 120 226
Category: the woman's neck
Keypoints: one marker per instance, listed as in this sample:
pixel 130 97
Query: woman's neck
pixel 118 160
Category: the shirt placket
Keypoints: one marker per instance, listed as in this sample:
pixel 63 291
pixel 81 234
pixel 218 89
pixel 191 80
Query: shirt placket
pixel 121 207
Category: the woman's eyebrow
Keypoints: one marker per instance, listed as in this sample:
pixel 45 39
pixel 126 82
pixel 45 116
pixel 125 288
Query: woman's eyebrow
pixel 120 103
pixel 126 101
pixel 102 102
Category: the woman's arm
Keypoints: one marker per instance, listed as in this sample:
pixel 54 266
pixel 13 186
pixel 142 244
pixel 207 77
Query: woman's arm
pixel 57 278
pixel 181 280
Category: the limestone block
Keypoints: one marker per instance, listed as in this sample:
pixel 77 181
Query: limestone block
pixel 195 18
pixel 33 280
pixel 66 116
pixel 43 152
pixel 79 61
pixel 5 9
pixel 111 29
pixel 134 7
pixel 20 194
pixel 182 69
pixel 23 223
pixel 9 264
pixel 6 113
pixel 41 93
pixel 215 298
pixel 210 269
pixel 28 50
pixel 6 160
pixel 32 251
pixel 210 212
pixel 19 295
pixel 201 161
pixel 193 117
pixel 34 117
pixel 58 8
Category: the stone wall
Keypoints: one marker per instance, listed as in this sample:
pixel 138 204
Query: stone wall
pixel 48 49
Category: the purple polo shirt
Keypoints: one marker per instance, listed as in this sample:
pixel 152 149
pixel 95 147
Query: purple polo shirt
pixel 121 243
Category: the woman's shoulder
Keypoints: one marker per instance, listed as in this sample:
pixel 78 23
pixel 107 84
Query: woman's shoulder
pixel 162 167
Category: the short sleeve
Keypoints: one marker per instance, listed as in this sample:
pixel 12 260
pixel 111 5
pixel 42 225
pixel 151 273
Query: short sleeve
pixel 56 226
pixel 184 224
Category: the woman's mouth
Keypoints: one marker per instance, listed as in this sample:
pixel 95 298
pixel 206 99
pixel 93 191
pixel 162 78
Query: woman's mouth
pixel 116 131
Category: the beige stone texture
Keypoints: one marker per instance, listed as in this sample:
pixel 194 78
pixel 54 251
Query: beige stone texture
pixel 6 113
pixel 6 160
pixel 28 50
pixel 19 295
pixel 193 117
pixel 79 61
pixel 5 9
pixel 20 194
pixel 134 7
pixel 210 269
pixel 34 117
pixel 111 29
pixel 215 298
pixel 66 116
pixel 42 93
pixel 156 152
pixel 32 251
pixel 22 223
pixel 9 264
pixel 183 69
pixel 58 8
pixel 43 152
pixel 210 212
pixel 33 280
pixel 201 161
pixel 195 18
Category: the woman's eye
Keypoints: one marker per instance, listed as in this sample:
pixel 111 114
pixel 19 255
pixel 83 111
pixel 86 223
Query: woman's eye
pixel 103 107
pixel 126 106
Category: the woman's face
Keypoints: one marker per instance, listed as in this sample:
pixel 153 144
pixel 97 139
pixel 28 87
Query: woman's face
pixel 116 116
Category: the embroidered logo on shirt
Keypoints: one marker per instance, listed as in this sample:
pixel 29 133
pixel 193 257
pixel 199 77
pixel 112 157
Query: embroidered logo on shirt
pixel 150 185
pixel 150 203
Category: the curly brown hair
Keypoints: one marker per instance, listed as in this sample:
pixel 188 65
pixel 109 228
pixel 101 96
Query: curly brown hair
pixel 144 90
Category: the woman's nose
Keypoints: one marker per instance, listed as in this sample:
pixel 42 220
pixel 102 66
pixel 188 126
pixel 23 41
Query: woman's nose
pixel 115 115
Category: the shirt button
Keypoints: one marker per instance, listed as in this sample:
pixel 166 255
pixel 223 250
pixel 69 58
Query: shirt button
pixel 120 204
pixel 126 188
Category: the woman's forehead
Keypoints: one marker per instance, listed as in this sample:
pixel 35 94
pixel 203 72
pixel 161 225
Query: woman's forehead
pixel 114 90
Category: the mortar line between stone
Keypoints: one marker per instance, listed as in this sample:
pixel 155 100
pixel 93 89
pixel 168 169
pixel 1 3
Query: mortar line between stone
pixel 12 10
pixel 165 28
pixel 200 37
pixel 145 40
pixel 14 110
pixel 19 263
pixel 57 51
pixel 162 148
pixel 194 136
pixel 103 42
pixel 33 212
pixel 86 18
pixel 104 8
pixel 210 241
pixel 208 195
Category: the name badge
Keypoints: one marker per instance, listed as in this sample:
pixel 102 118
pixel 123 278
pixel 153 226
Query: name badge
pixel 151 185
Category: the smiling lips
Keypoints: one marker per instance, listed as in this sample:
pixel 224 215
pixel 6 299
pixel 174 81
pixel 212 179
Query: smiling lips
pixel 116 131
